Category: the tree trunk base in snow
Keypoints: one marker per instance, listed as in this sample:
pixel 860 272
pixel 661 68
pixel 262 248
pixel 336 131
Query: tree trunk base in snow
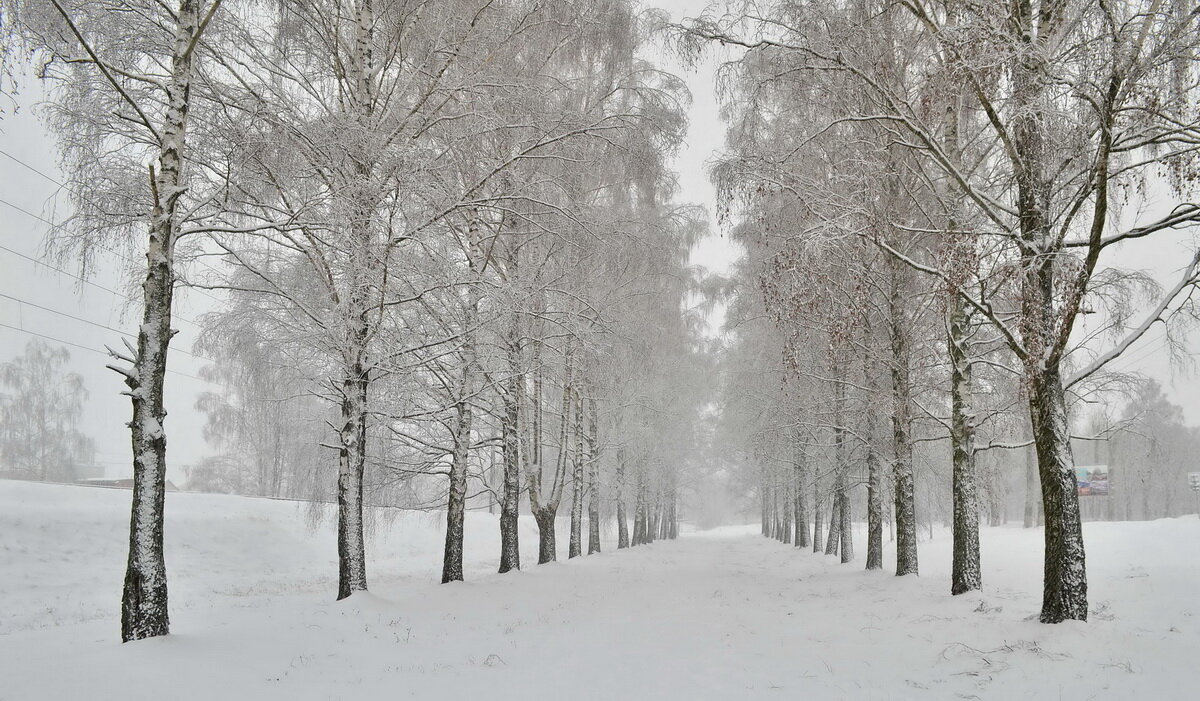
pixel 547 544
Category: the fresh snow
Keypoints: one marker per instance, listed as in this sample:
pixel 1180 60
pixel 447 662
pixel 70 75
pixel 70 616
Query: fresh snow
pixel 721 614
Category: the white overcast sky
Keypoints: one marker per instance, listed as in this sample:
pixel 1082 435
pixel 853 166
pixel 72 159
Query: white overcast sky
pixel 21 188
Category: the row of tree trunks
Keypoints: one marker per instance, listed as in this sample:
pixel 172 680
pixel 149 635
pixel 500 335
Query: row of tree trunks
pixel 656 519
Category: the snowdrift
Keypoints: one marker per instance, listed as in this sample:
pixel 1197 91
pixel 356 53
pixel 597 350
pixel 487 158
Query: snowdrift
pixel 722 614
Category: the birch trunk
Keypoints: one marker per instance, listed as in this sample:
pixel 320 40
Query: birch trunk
pixel 651 518
pixel 846 526
pixel 622 517
pixel 144 594
pixel 545 507
pixel 594 494
pixel 905 512
pixel 818 520
pixel 575 549
pixel 764 492
pixel 842 499
pixel 639 514
pixel 456 502
pixel 802 536
pixel 352 559
pixel 674 531
pixel 965 572
pixel 785 534
pixel 835 524
pixel 874 509
pixel 510 548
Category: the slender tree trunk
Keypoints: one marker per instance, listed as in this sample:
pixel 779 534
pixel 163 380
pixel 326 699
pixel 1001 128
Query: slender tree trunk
pixel 510 550
pixel 802 537
pixel 905 512
pixel 452 565
pixel 674 532
pixel 352 559
pixel 640 516
pixel 874 509
pixel 764 491
pixel 575 549
pixel 874 479
pixel 835 524
pixel 965 571
pixel 456 503
pixel 594 495
pixel 652 512
pixel 144 594
pixel 777 507
pixel 818 519
pixel 639 521
pixel 545 510
pixel 788 506
pixel 622 517
pixel 846 530
pixel 361 198
pixel 842 500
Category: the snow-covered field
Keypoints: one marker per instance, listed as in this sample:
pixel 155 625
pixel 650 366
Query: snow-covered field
pixel 723 614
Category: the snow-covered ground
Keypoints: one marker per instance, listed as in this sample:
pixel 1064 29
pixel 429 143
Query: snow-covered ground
pixel 722 614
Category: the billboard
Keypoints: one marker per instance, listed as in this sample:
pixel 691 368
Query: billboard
pixel 1092 480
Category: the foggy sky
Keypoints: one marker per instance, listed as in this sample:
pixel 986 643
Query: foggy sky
pixel 106 412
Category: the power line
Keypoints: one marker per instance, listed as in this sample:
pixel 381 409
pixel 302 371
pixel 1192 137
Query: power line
pixel 85 281
pixel 39 172
pixel 89 348
pixel 35 305
pixel 53 226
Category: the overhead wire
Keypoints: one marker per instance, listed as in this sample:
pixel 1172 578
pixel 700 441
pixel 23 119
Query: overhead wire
pixel 97 324
pixel 88 348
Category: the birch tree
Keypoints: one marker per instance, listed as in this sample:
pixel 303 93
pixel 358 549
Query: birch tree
pixel 122 108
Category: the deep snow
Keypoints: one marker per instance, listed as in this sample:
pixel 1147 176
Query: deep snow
pixel 722 614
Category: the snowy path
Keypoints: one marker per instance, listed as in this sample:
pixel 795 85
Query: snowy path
pixel 705 617
pixel 719 615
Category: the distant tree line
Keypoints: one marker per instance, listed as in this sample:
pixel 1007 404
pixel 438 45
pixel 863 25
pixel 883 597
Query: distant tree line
pixel 40 408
